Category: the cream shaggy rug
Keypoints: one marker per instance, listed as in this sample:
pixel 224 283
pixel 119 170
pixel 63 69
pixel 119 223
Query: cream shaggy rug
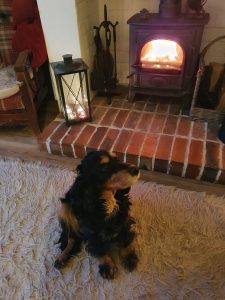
pixel 181 242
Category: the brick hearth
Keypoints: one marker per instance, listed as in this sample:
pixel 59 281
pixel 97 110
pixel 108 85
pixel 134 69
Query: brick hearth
pixel 152 135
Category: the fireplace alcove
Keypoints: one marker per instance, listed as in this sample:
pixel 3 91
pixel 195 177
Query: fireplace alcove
pixel 161 78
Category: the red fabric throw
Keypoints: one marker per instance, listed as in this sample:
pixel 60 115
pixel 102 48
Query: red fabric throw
pixel 24 11
pixel 30 36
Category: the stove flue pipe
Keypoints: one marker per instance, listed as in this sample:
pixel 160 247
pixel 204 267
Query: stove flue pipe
pixel 169 8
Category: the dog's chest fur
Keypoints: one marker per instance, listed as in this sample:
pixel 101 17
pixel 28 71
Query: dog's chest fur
pixel 110 203
pixel 101 213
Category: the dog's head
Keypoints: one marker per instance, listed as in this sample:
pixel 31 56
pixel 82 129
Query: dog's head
pixel 104 168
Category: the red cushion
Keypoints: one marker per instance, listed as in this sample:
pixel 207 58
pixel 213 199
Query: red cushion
pixel 30 36
pixel 24 11
pixel 11 103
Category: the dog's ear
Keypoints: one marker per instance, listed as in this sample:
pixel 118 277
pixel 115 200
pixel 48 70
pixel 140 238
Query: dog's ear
pixel 86 163
pixel 92 161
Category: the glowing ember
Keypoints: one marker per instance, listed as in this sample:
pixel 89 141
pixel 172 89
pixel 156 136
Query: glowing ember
pixel 162 54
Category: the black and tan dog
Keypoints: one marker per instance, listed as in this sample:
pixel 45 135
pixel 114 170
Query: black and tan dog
pixel 96 210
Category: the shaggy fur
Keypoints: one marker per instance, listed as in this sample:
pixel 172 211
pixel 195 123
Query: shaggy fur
pixel 96 210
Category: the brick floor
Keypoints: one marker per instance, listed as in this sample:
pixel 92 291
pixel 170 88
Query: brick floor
pixel 154 136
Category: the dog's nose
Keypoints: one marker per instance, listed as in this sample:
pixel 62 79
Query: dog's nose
pixel 133 170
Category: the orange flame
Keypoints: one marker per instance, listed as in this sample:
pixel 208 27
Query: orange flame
pixel 163 54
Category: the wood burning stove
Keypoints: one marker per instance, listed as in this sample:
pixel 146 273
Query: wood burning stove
pixel 163 53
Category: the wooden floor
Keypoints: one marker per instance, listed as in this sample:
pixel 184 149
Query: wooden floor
pixel 21 143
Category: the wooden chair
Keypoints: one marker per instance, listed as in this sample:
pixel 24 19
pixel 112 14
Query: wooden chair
pixel 20 108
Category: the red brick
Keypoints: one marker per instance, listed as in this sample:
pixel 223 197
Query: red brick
pixel 149 146
pixel 82 140
pixel 195 155
pixel 122 142
pixel 176 168
pixel 157 123
pixel 145 122
pixel 136 142
pixel 164 147
pixel 109 139
pixel 59 133
pixel 163 153
pixel 223 157
pixel 55 148
pixel 120 118
pixel 134 147
pixel 109 117
pixel 98 100
pixel 212 131
pixel 195 159
pixel 132 120
pixel 199 130
pixel 179 150
pixel 56 137
pixel 221 179
pixel 146 163
pixel 128 105
pixel 163 108
pixel 161 165
pixel 175 109
pixel 49 129
pixel 184 127
pixel 212 155
pixel 210 174
pixel 117 103
pixel 192 171
pixel 178 156
pixel 97 138
pixel 98 114
pixel 170 125
pixel 67 142
pixel 151 107
pixel 139 105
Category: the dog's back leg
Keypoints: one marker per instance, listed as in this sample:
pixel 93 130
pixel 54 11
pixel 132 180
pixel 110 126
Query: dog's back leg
pixel 70 244
pixel 63 240
pixel 70 241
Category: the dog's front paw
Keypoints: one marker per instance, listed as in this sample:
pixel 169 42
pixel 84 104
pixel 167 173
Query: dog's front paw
pixel 130 261
pixel 107 271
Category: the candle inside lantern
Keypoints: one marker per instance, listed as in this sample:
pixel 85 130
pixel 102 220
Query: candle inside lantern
pixel 81 113
pixel 71 114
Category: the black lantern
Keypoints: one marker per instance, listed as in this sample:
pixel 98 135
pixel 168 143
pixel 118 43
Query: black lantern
pixel 72 83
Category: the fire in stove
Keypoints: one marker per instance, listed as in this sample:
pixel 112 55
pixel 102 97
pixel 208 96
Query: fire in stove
pixel 162 54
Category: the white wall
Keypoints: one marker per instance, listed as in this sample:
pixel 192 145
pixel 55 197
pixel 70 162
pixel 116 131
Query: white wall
pixel 68 27
pixel 87 17
pixel 215 28
pixel 87 12
pixel 59 23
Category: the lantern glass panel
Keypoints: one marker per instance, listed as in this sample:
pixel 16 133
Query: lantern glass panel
pixel 76 101
pixel 72 84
